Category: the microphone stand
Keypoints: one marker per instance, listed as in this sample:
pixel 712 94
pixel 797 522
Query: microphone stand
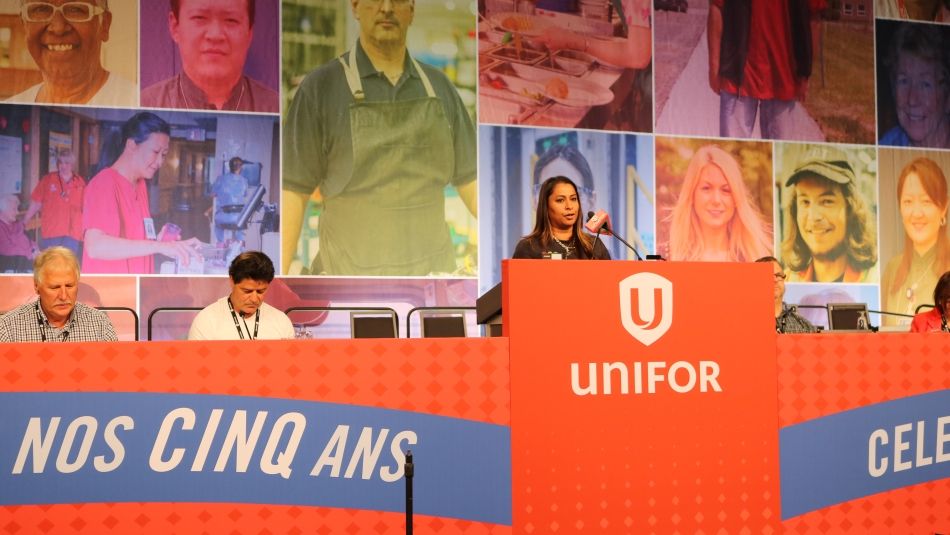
pixel 409 472
pixel 623 241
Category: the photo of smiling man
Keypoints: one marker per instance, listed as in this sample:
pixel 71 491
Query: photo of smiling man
pixel 829 216
pixel 82 53
pixel 214 41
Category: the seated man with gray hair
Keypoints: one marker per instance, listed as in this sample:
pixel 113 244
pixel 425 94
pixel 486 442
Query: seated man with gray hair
pixel 56 316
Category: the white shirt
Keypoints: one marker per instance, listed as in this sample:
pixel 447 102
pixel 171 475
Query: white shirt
pixel 117 91
pixel 215 322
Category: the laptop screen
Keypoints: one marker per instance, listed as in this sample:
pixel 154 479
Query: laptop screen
pixel 847 316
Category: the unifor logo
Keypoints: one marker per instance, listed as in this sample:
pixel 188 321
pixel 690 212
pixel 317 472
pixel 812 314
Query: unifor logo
pixel 646 306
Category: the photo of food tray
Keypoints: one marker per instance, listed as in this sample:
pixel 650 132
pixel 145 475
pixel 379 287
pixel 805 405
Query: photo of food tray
pixel 563 90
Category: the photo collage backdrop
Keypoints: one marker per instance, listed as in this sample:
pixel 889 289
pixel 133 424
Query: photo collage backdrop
pixel 700 146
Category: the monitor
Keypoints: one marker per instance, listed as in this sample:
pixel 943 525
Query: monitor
pixel 848 317
pixel 372 326
pixel 443 326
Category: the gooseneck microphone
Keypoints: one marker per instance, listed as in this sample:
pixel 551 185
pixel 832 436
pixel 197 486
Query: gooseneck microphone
pixel 598 222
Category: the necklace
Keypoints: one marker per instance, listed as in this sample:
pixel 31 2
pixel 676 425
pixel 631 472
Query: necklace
pixel 568 249
pixel 188 104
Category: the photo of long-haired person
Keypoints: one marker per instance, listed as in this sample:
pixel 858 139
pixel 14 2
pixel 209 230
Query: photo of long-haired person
pixel 559 226
pixel 913 84
pixel 780 69
pixel 829 199
pixel 914 237
pixel 714 200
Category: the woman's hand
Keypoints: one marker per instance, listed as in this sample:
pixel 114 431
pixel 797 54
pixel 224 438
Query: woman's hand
pixel 182 250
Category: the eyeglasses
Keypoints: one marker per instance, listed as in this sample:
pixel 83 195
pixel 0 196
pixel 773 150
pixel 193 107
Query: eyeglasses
pixel 71 11
pixel 780 276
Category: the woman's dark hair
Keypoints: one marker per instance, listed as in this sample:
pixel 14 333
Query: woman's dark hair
pixel 542 222
pixel 253 265
pixel 143 124
pixel 942 292
pixel 234 164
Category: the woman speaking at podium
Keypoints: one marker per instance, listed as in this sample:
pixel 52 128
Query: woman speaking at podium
pixel 558 226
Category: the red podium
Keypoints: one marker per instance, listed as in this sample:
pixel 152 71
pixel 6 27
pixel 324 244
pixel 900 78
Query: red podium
pixel 643 397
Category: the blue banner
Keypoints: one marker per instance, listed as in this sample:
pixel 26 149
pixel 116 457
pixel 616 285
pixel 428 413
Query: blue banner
pixel 145 447
pixel 864 451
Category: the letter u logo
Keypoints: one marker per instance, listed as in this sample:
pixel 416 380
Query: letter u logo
pixel 646 306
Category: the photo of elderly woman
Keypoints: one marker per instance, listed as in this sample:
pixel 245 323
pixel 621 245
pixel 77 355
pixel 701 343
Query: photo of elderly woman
pixel 914 234
pixel 711 207
pixel 913 84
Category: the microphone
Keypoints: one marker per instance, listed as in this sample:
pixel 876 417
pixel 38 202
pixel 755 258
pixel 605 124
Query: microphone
pixel 601 221
pixel 597 222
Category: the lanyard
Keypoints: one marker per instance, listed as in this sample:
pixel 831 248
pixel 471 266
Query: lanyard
pixel 257 322
pixel 42 325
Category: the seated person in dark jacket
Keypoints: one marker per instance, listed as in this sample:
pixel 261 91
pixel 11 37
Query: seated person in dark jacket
pixel 558 228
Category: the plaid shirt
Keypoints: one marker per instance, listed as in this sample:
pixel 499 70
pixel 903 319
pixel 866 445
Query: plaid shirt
pixel 790 321
pixel 28 323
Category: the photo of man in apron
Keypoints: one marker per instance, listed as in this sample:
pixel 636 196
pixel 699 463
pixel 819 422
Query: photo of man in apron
pixel 381 135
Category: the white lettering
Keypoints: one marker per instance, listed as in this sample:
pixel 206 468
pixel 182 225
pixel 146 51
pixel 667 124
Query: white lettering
pixel 36 444
pixel 332 455
pixel 238 438
pixel 62 460
pixel 396 450
pixel 206 438
pixel 875 468
pixel 367 452
pixel 904 438
pixel 112 440
pixel 285 458
pixel 900 446
pixel 156 461
pixel 615 377
pixel 943 438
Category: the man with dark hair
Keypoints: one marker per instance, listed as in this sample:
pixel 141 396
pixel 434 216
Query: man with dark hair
pixel 830 233
pixel 787 318
pixel 229 191
pixel 213 37
pixel 227 318
pixel 380 135
pixel 56 316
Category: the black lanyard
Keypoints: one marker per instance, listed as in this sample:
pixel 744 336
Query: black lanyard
pixel 42 325
pixel 257 321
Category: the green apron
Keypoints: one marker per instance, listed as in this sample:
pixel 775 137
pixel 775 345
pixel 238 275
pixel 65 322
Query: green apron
pixel 389 219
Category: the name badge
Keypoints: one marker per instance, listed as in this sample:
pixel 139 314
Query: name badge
pixel 149 228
